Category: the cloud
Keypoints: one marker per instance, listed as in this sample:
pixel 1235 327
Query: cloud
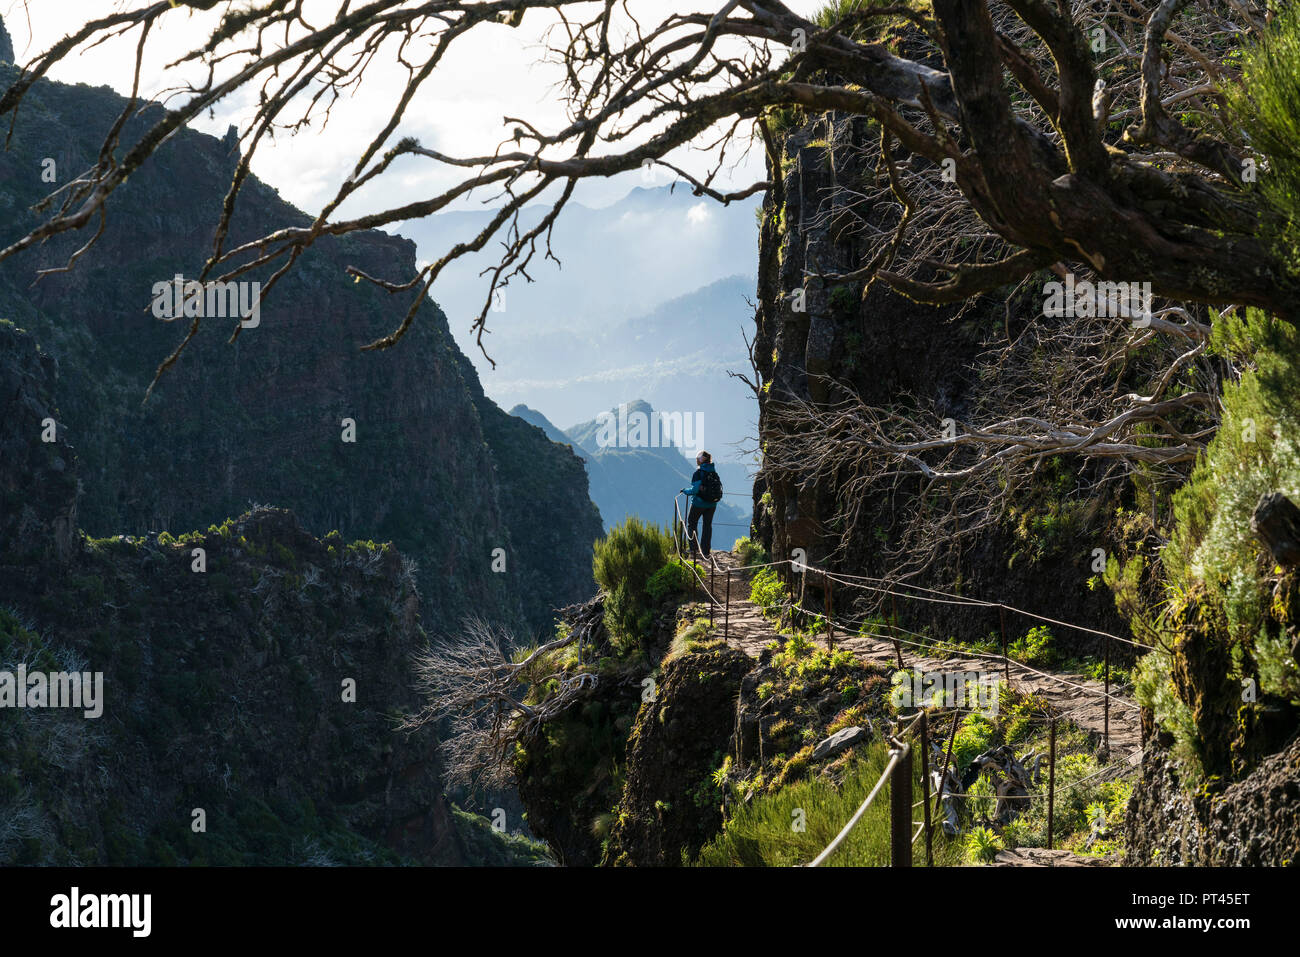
pixel 699 215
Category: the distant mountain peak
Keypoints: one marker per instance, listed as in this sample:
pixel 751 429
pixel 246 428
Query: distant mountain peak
pixel 6 44
pixel 533 417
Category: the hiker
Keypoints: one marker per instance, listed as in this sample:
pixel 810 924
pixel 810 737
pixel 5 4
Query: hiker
pixel 705 491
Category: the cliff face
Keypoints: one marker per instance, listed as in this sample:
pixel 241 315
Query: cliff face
pixel 38 484
pixel 1254 822
pixel 543 495
pixel 889 351
pixel 263 420
pixel 248 691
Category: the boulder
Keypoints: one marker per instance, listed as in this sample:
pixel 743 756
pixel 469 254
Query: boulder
pixel 837 742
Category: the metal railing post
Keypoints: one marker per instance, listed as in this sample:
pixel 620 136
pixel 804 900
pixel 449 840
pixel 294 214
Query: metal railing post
pixel 830 627
pixel 893 632
pixel 925 786
pixel 1051 781
pixel 726 614
pixel 1006 660
pixel 712 591
pixel 1105 734
pixel 900 812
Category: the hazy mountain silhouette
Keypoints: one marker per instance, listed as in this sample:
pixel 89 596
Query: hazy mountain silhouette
pixel 627 480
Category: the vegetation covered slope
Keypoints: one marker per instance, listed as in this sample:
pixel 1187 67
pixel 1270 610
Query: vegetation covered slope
pixel 251 676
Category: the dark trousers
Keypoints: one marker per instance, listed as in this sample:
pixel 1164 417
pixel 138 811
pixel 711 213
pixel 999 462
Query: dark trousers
pixel 706 541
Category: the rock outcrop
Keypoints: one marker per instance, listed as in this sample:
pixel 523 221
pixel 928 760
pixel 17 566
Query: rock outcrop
pixel 670 807
pixel 38 483
pixel 1254 822
pixel 250 675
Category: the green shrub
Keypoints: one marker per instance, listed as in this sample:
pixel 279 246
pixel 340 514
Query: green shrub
pixel 750 552
pixel 974 737
pixel 1267 105
pixel 625 560
pixel 1035 648
pixel 982 845
pixel 1253 452
pixel 766 589
pixel 675 578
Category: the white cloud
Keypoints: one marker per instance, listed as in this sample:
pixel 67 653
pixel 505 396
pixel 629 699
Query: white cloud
pixel 699 214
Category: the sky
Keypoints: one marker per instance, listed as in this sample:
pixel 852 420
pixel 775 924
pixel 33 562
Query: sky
pixel 491 73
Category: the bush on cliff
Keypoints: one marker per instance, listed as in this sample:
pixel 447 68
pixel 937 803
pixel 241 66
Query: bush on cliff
pixel 625 561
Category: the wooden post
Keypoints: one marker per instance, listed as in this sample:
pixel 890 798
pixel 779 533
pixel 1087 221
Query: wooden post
pixel 1051 780
pixel 1105 734
pixel 1006 661
pixel 925 786
pixel 900 813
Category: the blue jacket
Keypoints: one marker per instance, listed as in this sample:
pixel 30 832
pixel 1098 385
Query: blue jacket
pixel 693 490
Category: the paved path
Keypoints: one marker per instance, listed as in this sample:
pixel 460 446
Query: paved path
pixel 750 631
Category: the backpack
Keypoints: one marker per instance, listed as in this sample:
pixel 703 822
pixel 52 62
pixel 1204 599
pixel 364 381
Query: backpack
pixel 711 487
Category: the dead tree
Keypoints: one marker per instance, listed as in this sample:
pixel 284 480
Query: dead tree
pixel 490 695
pixel 1006 95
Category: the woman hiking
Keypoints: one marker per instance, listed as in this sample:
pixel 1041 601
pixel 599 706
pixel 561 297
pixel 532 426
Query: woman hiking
pixel 705 491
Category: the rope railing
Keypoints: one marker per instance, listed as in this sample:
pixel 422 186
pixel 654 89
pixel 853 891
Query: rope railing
pixel 899 753
pixel 898 772
pixel 949 598
pixel 894 757
pixel 902 840
pixel 989 656
pixel 863 582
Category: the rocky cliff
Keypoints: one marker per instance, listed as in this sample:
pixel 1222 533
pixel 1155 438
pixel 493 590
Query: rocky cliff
pixel 428 463
pixel 250 679
pixel 889 352
pixel 897 354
